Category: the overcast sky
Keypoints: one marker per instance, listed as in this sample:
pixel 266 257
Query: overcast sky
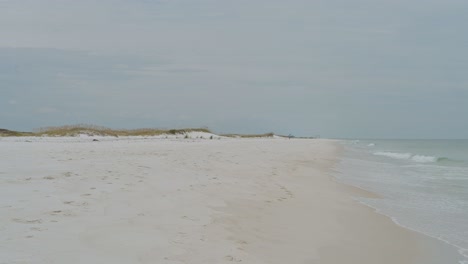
pixel 335 68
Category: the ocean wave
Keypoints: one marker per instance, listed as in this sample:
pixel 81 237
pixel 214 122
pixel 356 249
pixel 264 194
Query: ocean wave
pixel 394 155
pixel 424 159
pixel 409 156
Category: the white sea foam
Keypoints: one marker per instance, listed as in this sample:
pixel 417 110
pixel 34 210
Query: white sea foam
pixel 424 159
pixel 395 155
pixel 407 156
pixel 371 145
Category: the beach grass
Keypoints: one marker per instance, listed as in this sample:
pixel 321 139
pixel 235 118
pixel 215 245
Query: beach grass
pixel 11 133
pixel 266 135
pixel 95 130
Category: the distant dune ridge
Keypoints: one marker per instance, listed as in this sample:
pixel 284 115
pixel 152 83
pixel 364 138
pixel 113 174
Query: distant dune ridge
pixel 10 133
pixel 95 130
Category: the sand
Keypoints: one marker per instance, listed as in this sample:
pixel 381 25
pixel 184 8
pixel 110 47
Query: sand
pixel 191 201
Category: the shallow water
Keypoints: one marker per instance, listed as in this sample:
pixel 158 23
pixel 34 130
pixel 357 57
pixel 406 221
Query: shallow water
pixel 424 184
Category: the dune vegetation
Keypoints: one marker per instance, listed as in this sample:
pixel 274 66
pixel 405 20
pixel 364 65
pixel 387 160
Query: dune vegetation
pixel 249 135
pixel 10 133
pixel 94 130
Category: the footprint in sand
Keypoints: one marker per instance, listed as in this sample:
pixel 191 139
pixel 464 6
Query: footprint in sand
pixel 26 221
pixel 286 191
pixel 62 213
pixel 73 203
pixel 189 218
pixel 37 229
pixel 231 258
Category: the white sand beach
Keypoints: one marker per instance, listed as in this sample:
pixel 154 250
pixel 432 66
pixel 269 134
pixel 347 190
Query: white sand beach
pixel 197 201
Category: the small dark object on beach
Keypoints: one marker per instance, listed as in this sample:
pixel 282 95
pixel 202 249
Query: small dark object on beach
pixel 95 140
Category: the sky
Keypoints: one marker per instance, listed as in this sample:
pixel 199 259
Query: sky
pixel 334 68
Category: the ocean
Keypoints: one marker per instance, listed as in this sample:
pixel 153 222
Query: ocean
pixel 423 184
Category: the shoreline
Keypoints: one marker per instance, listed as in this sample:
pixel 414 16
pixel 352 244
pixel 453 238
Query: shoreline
pixel 197 201
pixel 446 244
pixel 413 246
pixel 448 247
